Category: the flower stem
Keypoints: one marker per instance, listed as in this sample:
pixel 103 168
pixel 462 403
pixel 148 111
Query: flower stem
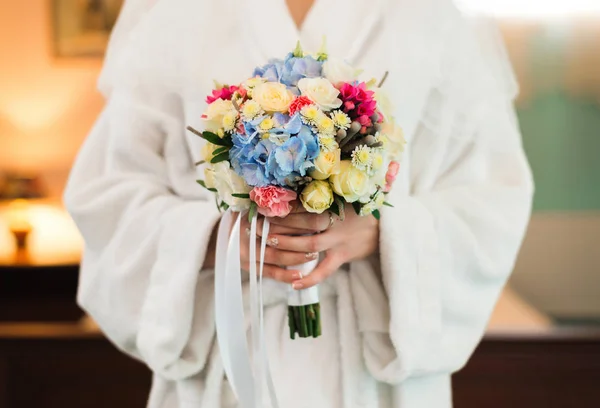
pixel 304 332
pixel 292 323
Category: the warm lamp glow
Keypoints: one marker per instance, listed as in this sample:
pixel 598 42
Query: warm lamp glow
pixel 53 237
pixel 18 221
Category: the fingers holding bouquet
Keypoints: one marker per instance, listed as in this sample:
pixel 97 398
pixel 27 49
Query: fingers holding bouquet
pixel 300 140
pixel 342 241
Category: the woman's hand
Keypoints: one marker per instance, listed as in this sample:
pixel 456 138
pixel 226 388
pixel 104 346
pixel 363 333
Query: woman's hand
pixel 343 241
pixel 276 259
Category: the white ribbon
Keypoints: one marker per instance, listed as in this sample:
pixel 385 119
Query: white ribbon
pixel 246 377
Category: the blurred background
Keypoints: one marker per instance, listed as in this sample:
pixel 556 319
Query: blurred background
pixel 542 334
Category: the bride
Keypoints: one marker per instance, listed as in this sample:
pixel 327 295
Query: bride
pixel 404 300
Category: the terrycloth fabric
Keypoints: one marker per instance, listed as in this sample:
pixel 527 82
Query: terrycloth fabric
pixel 396 325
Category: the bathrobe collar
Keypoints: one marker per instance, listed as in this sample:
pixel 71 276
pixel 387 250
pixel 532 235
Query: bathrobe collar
pixel 347 25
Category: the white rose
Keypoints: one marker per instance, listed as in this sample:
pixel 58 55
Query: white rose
pixel 228 182
pixel 321 92
pixel 337 70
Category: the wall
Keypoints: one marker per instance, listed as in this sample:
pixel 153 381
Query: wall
pixel 47 105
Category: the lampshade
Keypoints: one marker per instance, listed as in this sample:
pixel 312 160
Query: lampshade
pixel 34 230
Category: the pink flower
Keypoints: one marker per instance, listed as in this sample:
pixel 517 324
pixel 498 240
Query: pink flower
pixel 364 120
pixel 363 94
pixel 347 91
pixel 349 105
pixel 390 176
pixel 224 93
pixel 366 108
pixel 299 103
pixel 273 201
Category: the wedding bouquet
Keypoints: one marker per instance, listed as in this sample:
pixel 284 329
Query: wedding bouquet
pixel 300 128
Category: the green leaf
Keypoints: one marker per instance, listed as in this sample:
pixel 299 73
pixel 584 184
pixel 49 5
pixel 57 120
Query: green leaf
pixel 387 204
pixel 356 205
pixel 240 195
pixel 335 208
pixel 220 150
pixel 214 139
pixel 203 184
pixel 224 205
pixel 341 206
pixel 220 157
pixel 252 211
pixel 376 214
pixel 298 53
pixel 211 137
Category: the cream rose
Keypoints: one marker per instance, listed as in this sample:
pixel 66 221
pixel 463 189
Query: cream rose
pixel 272 96
pixel 326 164
pixel 337 70
pixel 209 178
pixel 393 138
pixel 350 183
pixel 321 92
pixel 317 197
pixel 215 113
pixel 383 103
pixel 227 182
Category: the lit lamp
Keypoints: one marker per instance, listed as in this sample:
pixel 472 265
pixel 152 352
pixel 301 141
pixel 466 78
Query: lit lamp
pixel 41 230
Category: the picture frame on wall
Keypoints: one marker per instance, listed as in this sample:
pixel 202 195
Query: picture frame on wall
pixel 81 28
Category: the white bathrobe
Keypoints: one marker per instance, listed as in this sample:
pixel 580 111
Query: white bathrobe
pixel 396 326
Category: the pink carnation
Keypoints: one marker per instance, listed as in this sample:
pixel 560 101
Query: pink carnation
pixel 224 93
pixel 273 201
pixel 390 176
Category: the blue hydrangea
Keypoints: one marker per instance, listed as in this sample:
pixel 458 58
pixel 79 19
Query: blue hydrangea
pixel 290 70
pixel 277 157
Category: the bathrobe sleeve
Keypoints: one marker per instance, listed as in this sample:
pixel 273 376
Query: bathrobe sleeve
pixel 146 226
pixel 449 243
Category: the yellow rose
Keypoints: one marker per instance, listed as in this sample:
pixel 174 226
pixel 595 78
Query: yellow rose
pixel 350 182
pixel 326 164
pixel 317 197
pixel 273 96
pixel 206 154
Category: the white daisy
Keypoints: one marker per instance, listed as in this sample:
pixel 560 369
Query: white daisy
pixel 340 119
pixel 362 158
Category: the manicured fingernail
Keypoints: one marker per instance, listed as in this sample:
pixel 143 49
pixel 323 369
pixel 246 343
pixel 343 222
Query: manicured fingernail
pixel 312 255
pixel 272 242
pixel 297 285
pixel 296 275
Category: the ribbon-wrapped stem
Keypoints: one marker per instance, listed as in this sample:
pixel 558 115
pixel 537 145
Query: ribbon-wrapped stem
pixel 304 311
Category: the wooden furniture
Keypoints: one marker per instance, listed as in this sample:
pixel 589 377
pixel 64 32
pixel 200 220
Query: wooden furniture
pixel 49 359
pixel 556 368
pixel 66 366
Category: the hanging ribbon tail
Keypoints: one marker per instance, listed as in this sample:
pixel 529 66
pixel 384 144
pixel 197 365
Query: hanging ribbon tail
pixel 264 358
pixel 229 313
pixel 246 376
